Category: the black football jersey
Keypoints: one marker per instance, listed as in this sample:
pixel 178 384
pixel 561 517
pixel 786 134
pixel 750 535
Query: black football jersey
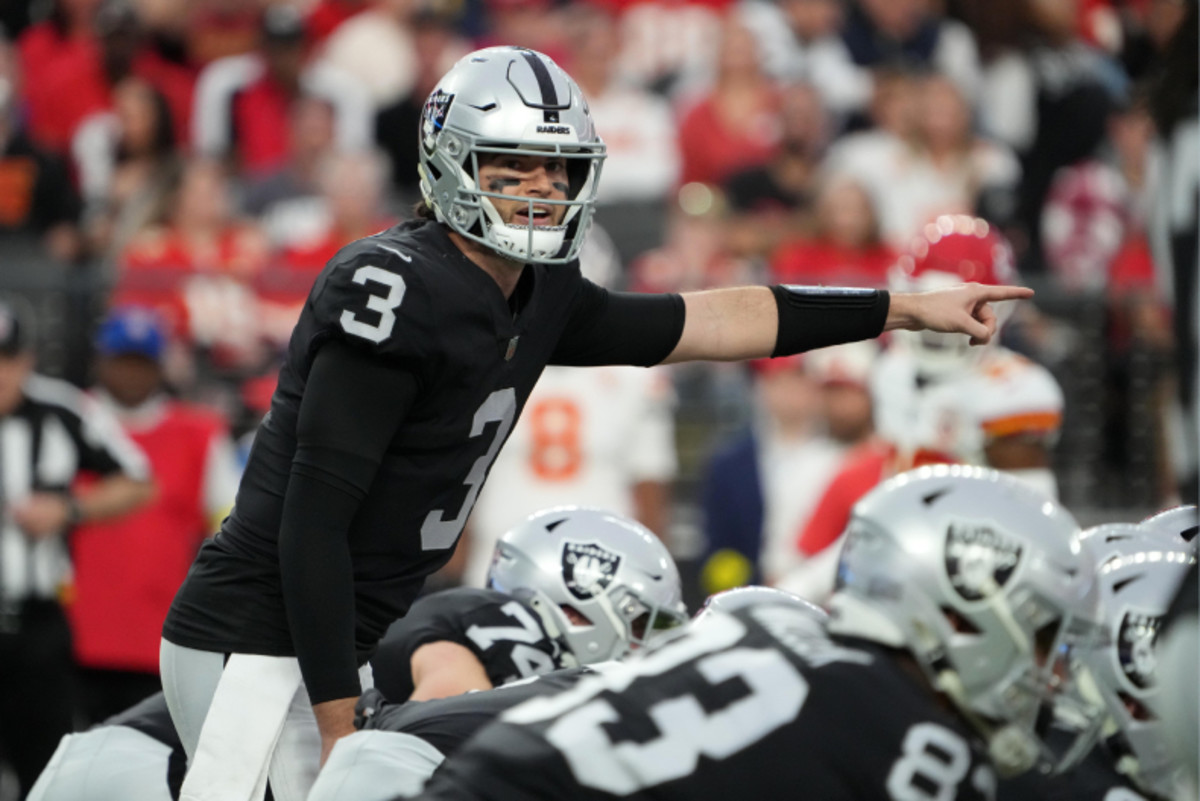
pixel 505 635
pixel 410 297
pixel 759 704
pixel 447 723
pixel 1094 779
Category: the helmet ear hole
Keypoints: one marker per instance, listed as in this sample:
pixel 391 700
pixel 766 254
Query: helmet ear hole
pixel 1137 710
pixel 1044 638
pixel 576 617
pixel 960 623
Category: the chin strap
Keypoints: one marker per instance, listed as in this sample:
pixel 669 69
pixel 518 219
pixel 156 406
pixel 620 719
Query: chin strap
pixel 550 623
pixel 1012 750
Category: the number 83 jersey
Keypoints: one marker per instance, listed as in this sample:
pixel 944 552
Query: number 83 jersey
pixel 759 704
pixel 409 299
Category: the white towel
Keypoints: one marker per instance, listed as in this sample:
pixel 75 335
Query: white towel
pixel 241 729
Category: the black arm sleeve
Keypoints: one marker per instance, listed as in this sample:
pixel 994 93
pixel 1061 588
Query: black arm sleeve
pixel 352 406
pixel 817 317
pixel 620 328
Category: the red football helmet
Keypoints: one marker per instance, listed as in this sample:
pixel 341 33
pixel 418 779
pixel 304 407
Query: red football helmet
pixel 953 249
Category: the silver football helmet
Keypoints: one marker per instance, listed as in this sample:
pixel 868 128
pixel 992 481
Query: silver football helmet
pixel 1138 573
pixel 1176 526
pixel 513 101
pixel 602 582
pixel 741 597
pixel 985 583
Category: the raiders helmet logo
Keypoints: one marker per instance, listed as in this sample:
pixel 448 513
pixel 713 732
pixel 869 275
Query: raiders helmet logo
pixel 433 118
pixel 979 560
pixel 1135 647
pixel 588 568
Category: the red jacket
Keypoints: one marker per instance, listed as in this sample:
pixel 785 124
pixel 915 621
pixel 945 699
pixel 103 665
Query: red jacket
pixel 127 569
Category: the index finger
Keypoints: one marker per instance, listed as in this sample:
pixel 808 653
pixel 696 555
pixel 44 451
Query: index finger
pixel 1004 292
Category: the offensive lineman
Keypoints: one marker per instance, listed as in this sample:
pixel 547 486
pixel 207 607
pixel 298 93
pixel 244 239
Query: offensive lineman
pixel 542 611
pixel 411 360
pixel 401 745
pixel 449 643
pixel 962 593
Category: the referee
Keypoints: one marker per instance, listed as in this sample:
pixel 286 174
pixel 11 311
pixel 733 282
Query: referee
pixel 50 436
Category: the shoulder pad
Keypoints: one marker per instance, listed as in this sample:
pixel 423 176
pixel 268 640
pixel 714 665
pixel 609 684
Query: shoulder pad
pixel 371 296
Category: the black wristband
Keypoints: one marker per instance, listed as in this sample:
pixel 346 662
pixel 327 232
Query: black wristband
pixel 816 317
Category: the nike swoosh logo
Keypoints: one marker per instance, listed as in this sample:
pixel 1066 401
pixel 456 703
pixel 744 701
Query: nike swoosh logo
pixel 404 256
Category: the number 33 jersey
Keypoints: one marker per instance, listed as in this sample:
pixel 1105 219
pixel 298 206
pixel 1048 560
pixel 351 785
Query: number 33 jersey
pixel 409 298
pixel 505 635
pixel 759 704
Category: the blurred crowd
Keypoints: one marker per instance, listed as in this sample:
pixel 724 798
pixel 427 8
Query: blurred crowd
pixel 209 156
pixel 205 158
pixel 212 155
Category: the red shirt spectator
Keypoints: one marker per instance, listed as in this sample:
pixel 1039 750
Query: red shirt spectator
pixel 327 15
pixel 243 103
pixel 196 271
pixel 737 125
pixel 847 249
pixel 46 53
pixel 813 262
pixel 713 150
pixel 127 570
pixel 863 469
pixel 68 79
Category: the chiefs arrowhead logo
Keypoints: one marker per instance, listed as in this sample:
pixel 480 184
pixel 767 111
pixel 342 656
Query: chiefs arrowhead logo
pixel 588 568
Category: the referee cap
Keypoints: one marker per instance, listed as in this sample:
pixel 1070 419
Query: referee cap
pixel 132 330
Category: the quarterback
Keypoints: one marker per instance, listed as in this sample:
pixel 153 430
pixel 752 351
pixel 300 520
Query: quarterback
pixel 413 357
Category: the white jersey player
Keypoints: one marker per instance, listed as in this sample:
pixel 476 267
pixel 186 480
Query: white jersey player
pixel 939 400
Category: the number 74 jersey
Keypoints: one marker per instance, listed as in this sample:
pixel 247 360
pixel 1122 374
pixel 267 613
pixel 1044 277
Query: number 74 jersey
pixel 760 704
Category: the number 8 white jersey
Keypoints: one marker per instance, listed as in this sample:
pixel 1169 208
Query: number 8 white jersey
pixel 759 704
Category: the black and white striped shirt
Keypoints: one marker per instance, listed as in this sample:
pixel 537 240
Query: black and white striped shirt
pixel 55 434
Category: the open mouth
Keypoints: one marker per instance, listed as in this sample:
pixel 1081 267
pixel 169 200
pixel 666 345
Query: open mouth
pixel 540 216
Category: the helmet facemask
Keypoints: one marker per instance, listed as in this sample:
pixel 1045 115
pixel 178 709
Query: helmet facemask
pixel 1138 570
pixel 1042 712
pixel 981 580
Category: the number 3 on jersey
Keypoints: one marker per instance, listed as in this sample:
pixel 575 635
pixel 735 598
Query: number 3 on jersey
pixel 438 533
pixel 385 307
